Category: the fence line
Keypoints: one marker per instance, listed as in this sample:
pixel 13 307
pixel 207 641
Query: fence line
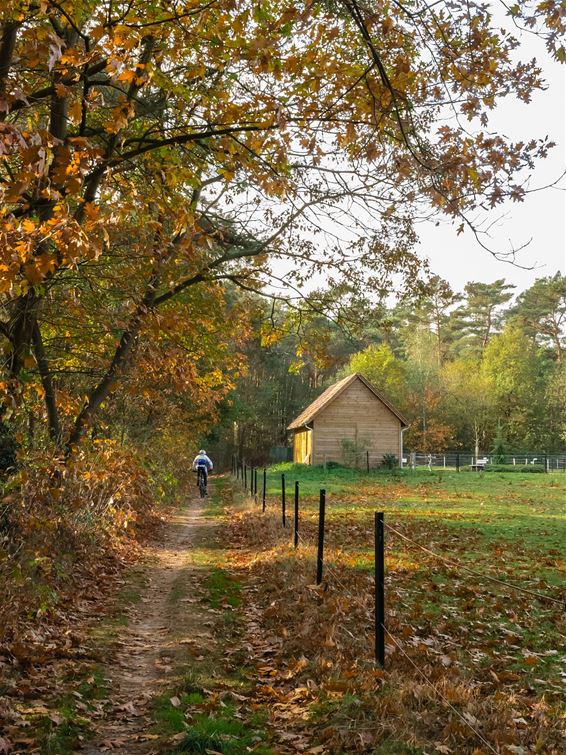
pixel 356 600
pixel 550 462
pixel 379 617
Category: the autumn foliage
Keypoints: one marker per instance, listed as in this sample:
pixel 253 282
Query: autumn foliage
pixel 161 163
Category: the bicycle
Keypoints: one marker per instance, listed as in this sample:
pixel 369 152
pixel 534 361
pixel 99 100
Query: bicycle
pixel 202 484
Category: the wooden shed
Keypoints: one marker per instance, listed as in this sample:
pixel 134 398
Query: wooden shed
pixel 350 420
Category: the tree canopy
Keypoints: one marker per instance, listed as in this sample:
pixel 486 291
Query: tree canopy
pixel 152 148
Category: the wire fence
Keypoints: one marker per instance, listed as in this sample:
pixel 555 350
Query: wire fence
pixel 249 479
pixel 471 461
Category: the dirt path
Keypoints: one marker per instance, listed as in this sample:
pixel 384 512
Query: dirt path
pixel 160 632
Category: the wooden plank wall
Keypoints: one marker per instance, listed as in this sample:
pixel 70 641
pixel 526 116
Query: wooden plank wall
pixel 357 414
pixel 302 447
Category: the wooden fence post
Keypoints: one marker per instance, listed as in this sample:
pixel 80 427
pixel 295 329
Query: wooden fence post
pixel 379 590
pixel 320 551
pixel 296 533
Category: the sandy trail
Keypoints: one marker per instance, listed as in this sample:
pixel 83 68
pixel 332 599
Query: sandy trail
pixel 159 630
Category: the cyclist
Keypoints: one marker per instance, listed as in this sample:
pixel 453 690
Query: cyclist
pixel 202 465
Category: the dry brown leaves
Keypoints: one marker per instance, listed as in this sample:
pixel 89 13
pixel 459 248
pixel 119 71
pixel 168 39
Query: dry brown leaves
pixel 57 580
pixel 312 652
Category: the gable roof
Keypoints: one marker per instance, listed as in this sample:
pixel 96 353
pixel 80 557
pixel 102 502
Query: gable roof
pixel 328 396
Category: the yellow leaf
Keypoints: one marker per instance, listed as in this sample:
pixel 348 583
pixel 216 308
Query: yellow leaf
pixel 127 76
pixel 75 111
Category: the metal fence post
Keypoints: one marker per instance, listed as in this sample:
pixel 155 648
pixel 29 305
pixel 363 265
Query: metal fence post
pixel 296 534
pixel 320 551
pixel 367 461
pixel 264 489
pixel 457 461
pixel 379 590
pixel 255 484
pixel 283 519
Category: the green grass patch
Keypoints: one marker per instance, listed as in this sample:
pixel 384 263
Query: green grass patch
pixel 522 469
pixel 225 733
pixel 63 732
pixel 335 479
pixel 94 687
pixel 219 729
pixel 223 589
pixel 62 738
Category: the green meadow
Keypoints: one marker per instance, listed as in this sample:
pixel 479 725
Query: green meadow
pixel 524 509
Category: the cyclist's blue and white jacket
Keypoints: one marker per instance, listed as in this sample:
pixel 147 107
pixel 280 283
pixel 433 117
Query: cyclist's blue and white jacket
pixel 202 460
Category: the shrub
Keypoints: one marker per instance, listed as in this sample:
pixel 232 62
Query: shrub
pixel 498 450
pixel 514 468
pixel 61 521
pixel 354 451
pixel 334 465
pixel 389 461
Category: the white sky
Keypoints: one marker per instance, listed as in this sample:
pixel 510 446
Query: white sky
pixel 541 217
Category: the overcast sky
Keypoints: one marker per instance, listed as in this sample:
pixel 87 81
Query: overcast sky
pixel 541 217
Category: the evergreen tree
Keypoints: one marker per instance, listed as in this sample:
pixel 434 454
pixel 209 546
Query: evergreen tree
pixel 541 311
pixel 498 448
pixel 480 317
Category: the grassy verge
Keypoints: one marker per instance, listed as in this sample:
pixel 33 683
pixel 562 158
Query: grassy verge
pixel 67 725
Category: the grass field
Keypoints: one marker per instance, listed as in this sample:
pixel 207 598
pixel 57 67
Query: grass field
pixel 495 653
pixel 513 513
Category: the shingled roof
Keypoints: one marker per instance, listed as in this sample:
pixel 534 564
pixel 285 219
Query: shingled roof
pixel 328 396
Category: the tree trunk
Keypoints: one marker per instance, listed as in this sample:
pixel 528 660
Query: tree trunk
pixel 7 46
pixel 48 387
pixel 20 329
pixel 476 440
